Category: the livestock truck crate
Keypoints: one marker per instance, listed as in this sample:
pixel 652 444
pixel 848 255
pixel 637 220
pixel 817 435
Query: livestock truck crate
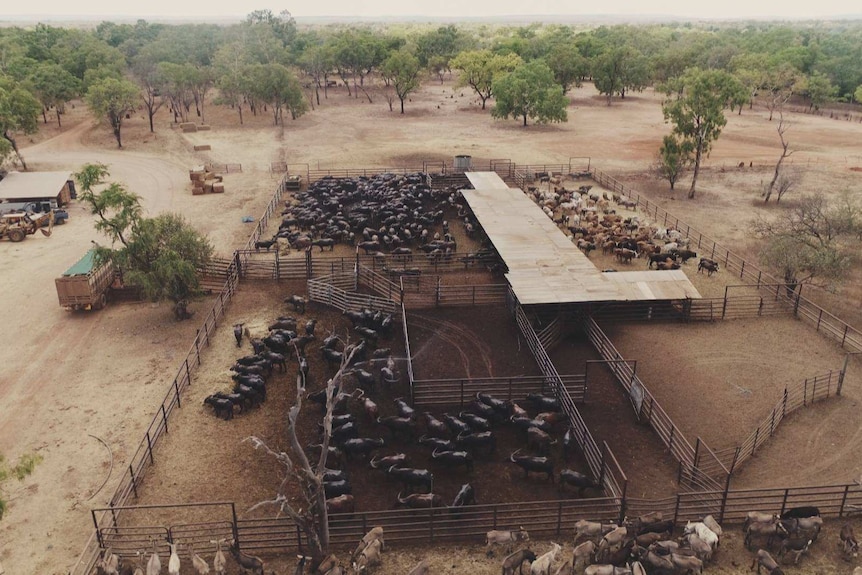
pixel 85 284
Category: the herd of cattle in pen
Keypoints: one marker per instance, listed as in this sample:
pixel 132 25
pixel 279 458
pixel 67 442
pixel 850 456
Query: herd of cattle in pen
pixel 592 220
pixel 453 441
pixel 386 214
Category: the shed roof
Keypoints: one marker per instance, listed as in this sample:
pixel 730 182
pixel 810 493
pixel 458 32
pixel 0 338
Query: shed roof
pixel 26 185
pixel 545 267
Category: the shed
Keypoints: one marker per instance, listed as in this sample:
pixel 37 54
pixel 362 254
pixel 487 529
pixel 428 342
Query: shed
pixel 56 187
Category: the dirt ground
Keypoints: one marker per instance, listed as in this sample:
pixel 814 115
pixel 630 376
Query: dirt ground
pixel 70 377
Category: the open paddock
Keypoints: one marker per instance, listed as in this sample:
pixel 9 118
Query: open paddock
pixel 720 380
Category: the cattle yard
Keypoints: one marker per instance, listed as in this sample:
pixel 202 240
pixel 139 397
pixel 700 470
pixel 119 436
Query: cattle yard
pixel 648 413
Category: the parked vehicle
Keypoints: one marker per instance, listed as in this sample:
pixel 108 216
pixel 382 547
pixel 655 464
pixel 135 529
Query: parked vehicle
pixel 85 284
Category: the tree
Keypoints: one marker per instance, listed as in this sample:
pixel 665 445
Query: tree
pixel 402 69
pixel 674 157
pixel 857 95
pixel 19 112
pixel 279 86
pixel 814 242
pixel 309 514
pixel 619 70
pixel 819 90
pixel 150 81
pixel 112 99
pixel 780 83
pixel 530 91
pixel 567 64
pixel 160 254
pixel 54 86
pixel 479 68
pixel 695 105
pixel 91 175
pixel 785 152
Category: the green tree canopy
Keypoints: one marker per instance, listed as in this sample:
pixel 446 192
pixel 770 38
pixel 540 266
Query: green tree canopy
pixel 402 69
pixel 695 106
pixel 567 64
pixel 160 254
pixel 19 112
pixel 530 91
pixel 619 70
pixel 479 68
pixel 111 100
pixel 674 157
pixel 275 84
pixel 814 242
pixel 54 86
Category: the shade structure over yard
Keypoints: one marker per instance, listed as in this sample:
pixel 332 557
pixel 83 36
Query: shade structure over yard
pixel 545 267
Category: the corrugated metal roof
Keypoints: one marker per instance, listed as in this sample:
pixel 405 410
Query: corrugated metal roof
pixel 25 185
pixel 545 267
pixel 84 265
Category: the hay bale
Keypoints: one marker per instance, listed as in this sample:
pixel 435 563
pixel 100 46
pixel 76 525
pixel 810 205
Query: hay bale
pixel 196 191
pixel 202 147
pixel 189 127
pixel 218 188
pixel 203 128
pixel 208 187
pixel 197 176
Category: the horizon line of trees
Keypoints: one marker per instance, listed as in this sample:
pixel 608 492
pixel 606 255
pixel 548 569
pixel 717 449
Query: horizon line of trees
pixel 268 63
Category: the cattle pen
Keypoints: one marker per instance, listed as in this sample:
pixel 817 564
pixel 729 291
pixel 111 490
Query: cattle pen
pixel 356 281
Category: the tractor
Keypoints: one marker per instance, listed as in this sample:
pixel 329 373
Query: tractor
pixel 18 226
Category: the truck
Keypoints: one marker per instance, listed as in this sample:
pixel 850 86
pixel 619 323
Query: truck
pixel 84 286
pixel 36 207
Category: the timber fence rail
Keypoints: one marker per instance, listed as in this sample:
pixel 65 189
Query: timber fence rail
pixel 273 205
pixel 794 397
pixel 649 409
pixel 460 392
pixel 322 291
pixel 419 264
pixel 412 526
pixel 847 336
pixel 593 454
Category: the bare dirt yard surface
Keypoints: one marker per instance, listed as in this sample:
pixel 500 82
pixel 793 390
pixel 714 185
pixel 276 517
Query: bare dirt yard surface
pixel 69 378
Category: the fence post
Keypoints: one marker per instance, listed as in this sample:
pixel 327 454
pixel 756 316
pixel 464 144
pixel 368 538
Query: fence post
pixel 784 404
pixel 234 528
pixel 132 475
pixel 98 531
pixel 844 337
pixel 177 387
pixel 805 392
pixel 676 509
pixel 165 417
pixel 696 452
pixel 819 317
pixel 724 305
pixel 772 424
pixel 843 501
pixel 150 447
pixel 431 526
pixel 724 499
pixel 784 501
pixel 559 516
pixel 197 345
pixel 188 371
pixel 841 374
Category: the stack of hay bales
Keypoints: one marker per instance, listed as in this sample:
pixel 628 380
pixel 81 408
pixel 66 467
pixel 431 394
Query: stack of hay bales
pixel 188 127
pixel 206 182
